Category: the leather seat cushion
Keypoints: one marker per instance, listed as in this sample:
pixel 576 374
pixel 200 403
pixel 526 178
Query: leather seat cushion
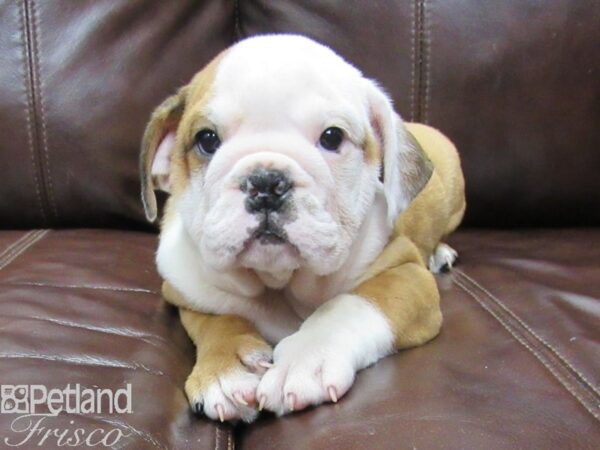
pixel 517 362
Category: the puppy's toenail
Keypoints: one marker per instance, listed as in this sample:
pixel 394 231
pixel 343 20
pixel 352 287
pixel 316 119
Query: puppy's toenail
pixel 332 394
pixel 265 364
pixel 220 412
pixel 240 399
pixel 261 402
pixel 291 401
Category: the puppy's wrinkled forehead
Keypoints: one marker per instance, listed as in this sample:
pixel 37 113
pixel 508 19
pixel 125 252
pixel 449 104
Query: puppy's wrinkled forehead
pixel 281 78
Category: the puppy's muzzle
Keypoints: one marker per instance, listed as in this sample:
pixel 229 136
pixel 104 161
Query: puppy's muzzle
pixel 266 190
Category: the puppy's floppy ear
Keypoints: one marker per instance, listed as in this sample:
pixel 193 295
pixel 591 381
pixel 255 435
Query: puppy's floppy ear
pixel 157 145
pixel 406 167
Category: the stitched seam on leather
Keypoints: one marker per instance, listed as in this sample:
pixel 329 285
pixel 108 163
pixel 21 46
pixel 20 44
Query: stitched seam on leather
pixel 536 339
pixel 25 244
pixel 237 32
pixel 15 247
pixel 546 362
pixel 79 286
pixel 24 28
pixel 30 239
pixel 84 361
pixel 31 50
pixel 10 247
pixel 530 330
pixel 150 339
pixel 413 59
pixel 420 61
pixel 418 66
pixel 217 438
pixel 426 56
pixel 42 112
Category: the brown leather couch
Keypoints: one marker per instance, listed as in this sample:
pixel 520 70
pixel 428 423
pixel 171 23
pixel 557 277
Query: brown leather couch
pixel 515 83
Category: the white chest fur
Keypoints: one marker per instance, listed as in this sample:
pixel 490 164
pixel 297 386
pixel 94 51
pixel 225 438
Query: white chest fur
pixel 276 312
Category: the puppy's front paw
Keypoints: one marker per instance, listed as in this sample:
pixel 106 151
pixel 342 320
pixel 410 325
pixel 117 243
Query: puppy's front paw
pixel 223 383
pixel 306 371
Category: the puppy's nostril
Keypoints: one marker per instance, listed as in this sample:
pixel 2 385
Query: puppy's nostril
pixel 250 189
pixel 281 187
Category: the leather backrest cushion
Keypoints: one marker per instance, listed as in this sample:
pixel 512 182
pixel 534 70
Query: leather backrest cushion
pixel 514 83
pixel 78 81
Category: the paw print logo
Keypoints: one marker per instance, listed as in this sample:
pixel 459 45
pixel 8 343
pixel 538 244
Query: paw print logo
pixel 14 399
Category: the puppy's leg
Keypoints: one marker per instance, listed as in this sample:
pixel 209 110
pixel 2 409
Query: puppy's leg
pixel 397 308
pixel 444 257
pixel 230 359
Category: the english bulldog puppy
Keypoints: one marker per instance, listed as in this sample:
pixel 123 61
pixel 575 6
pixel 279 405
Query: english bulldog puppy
pixel 302 226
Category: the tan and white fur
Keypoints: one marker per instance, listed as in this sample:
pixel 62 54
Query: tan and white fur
pixel 287 324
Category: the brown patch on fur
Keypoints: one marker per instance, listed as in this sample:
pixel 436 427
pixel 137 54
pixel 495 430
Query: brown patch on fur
pixel 398 282
pixel 185 161
pixel 178 113
pixel 406 292
pixel 418 166
pixel 164 120
pixel 222 342
pixel 440 206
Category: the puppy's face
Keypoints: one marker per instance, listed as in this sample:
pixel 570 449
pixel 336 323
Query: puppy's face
pixel 273 155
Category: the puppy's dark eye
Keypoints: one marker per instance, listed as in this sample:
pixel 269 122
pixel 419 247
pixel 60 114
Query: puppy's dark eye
pixel 331 139
pixel 207 141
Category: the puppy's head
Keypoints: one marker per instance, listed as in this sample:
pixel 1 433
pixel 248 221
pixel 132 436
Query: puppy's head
pixel 273 155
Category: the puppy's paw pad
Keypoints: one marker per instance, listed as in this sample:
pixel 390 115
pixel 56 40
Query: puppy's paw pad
pixel 443 258
pixel 230 396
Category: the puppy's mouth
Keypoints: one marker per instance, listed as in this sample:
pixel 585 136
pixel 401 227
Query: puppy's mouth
pixel 269 231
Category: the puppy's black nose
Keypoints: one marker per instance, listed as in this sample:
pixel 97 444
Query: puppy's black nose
pixel 266 190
